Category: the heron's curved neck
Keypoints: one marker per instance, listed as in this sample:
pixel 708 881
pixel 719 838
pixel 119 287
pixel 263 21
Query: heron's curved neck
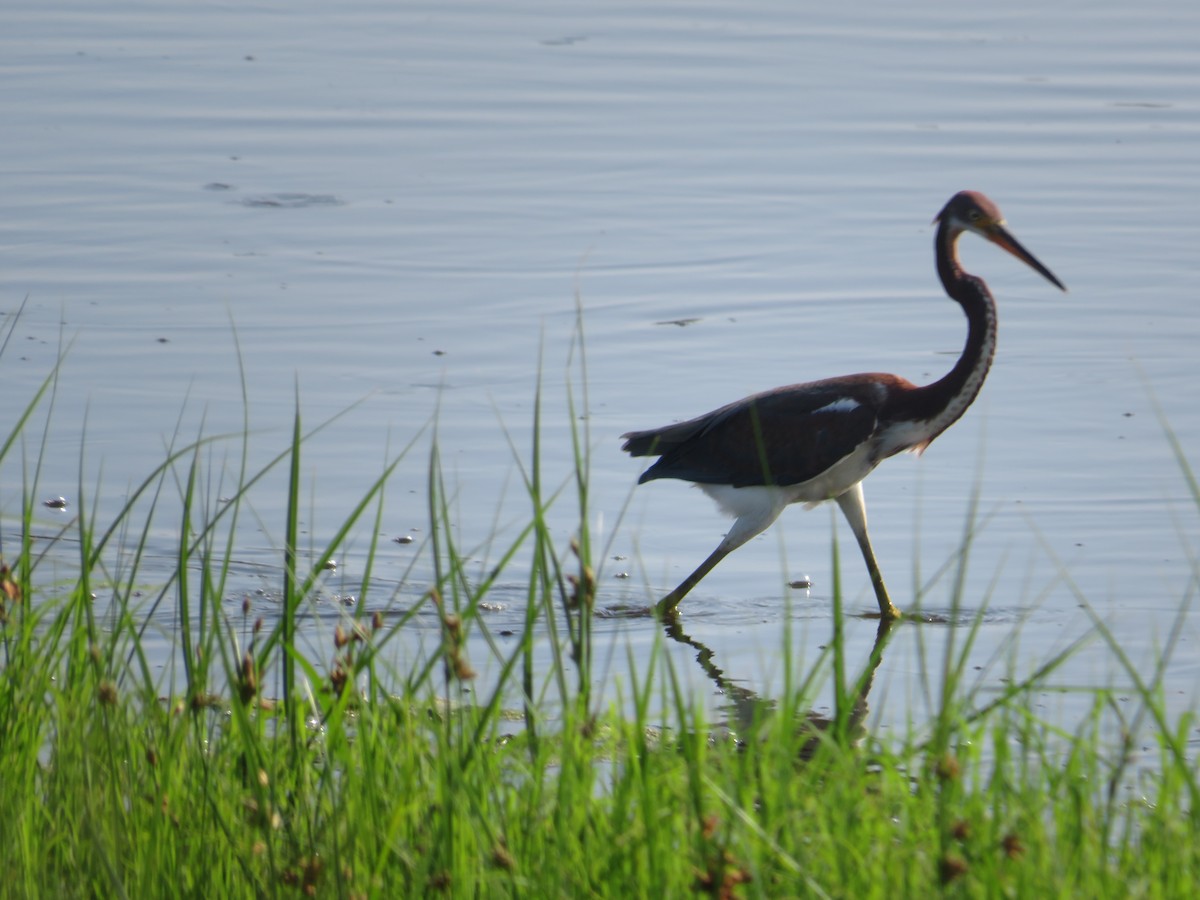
pixel 948 397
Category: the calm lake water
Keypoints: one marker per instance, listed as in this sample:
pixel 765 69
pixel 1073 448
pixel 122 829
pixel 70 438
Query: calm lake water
pixel 393 211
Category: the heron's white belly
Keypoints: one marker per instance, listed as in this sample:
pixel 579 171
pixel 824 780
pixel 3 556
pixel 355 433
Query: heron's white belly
pixel 759 500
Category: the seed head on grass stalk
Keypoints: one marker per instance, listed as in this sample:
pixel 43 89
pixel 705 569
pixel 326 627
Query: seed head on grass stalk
pixel 454 657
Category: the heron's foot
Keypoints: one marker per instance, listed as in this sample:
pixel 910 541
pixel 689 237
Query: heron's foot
pixel 888 612
pixel 668 607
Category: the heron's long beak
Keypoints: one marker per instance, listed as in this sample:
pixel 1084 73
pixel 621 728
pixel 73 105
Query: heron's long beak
pixel 1000 236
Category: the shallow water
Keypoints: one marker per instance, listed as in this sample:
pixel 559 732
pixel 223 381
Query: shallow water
pixel 400 207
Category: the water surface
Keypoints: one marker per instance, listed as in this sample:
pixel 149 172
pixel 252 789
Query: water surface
pixel 394 212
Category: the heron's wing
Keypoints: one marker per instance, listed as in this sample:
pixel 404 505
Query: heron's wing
pixel 782 437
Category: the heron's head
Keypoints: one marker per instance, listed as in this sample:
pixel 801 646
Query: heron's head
pixel 972 211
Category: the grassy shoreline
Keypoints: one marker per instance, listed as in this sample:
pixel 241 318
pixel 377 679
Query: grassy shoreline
pixel 274 772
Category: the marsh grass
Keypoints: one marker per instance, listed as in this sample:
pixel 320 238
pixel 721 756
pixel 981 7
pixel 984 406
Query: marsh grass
pixel 272 771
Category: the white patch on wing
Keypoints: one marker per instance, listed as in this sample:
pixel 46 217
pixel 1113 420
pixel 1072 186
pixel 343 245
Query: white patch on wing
pixel 843 404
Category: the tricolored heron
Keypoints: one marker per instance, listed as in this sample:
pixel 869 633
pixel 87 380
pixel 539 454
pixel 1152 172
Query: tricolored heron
pixel 807 443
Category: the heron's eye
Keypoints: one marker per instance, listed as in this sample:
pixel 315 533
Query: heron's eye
pixel 974 215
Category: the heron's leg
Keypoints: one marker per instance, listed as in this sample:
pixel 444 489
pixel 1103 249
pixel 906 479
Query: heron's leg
pixel 855 511
pixel 746 526
pixel 666 606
